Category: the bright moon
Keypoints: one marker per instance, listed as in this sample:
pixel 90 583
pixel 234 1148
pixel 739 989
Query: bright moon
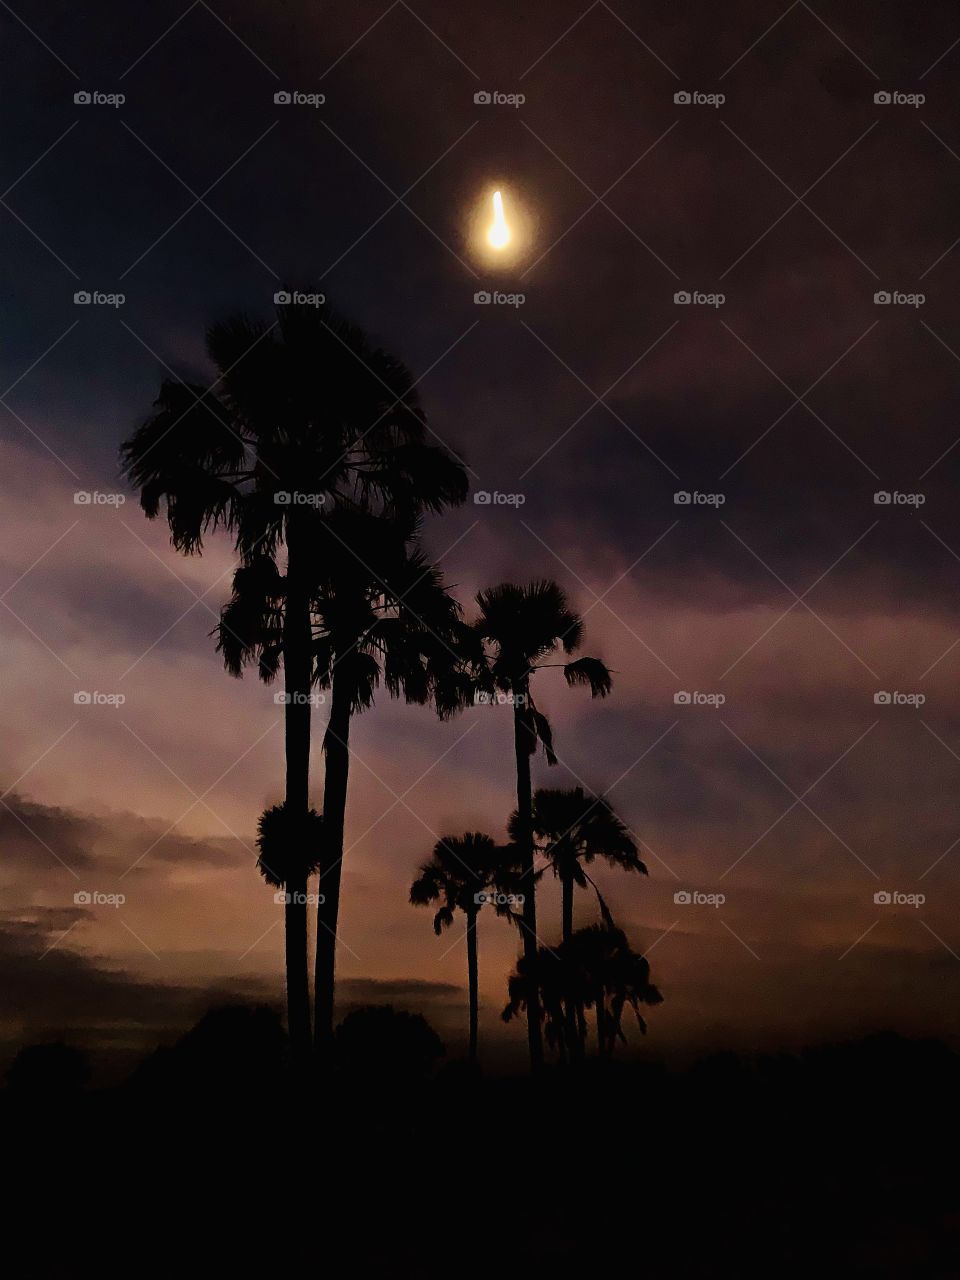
pixel 500 226
pixel 499 233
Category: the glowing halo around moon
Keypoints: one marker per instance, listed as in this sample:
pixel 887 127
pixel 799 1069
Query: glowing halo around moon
pixel 500 231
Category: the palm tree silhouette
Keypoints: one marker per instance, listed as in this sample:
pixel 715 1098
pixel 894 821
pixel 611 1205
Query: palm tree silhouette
pixel 390 621
pixel 378 612
pixel 462 875
pixel 519 628
pixel 306 417
pixel 572 828
pixel 595 968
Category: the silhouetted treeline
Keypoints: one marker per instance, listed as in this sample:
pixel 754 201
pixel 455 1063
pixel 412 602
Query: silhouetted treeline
pixel 837 1161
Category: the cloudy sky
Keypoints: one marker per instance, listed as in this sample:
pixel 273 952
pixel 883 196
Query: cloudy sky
pixel 784 404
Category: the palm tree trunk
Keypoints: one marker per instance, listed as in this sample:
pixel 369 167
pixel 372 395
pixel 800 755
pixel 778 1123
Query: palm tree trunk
pixel 566 884
pixel 337 753
pixel 600 1023
pixel 472 980
pixel 522 744
pixel 297 668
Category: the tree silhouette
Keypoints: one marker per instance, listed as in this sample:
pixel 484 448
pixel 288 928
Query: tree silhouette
pixel 380 1041
pixel 379 613
pixel 594 969
pixel 572 828
pixel 51 1069
pixel 519 628
pixel 462 875
pixel 306 418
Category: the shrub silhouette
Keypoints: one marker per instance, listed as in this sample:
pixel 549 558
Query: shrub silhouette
pixel 49 1069
pixel 231 1049
pixel 378 1040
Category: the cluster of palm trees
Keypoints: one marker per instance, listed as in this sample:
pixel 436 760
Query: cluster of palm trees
pixel 590 968
pixel 312 451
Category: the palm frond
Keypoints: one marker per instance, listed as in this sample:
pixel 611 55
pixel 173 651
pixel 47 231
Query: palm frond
pixel 589 671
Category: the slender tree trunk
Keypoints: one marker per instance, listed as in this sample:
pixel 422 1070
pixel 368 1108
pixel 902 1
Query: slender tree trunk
pixel 472 981
pixel 566 884
pixel 336 751
pixel 581 1031
pixel 522 744
pixel 297 666
pixel 601 1021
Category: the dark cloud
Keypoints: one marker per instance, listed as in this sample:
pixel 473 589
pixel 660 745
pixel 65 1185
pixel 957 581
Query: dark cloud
pixel 49 991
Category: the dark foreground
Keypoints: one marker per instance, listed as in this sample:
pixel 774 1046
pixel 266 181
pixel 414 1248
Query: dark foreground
pixel 838 1162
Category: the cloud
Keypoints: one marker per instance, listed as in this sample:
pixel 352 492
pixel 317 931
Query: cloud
pixel 49 991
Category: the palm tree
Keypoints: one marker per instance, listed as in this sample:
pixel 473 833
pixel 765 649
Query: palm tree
pixel 306 417
pixel 519 628
pixel 595 968
pixel 378 612
pixel 461 875
pixel 390 621
pixel 572 828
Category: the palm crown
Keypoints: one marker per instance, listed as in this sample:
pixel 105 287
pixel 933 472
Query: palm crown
pixel 304 406
pixel 519 628
pixel 461 869
pixel 571 829
pixel 379 611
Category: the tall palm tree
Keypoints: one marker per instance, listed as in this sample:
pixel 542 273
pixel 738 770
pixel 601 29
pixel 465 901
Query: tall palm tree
pixel 461 875
pixel 383 615
pixel 519 629
pixel 379 612
pixel 306 417
pixel 572 828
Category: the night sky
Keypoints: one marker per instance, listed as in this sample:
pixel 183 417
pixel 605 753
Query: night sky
pixel 797 399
